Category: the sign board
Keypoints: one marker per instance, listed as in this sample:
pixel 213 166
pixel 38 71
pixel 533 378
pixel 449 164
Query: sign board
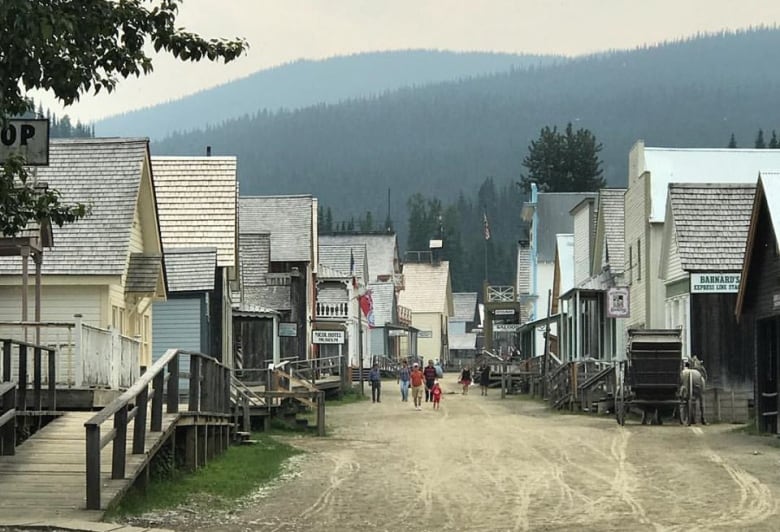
pixel 288 329
pixel 715 283
pixel 618 302
pixel 425 334
pixel 506 327
pixel 327 337
pixel 504 312
pixel 29 138
pixel 396 332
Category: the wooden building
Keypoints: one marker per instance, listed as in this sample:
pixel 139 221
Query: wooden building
pixel 702 252
pixel 758 300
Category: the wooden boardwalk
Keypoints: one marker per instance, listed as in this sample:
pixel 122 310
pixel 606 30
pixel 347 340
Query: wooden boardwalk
pixel 47 475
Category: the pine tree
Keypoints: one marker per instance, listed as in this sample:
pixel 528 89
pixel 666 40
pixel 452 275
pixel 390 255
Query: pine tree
pixel 564 162
pixel 760 144
pixel 732 142
pixel 773 142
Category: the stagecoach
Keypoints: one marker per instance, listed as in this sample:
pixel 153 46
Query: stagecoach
pixel 649 379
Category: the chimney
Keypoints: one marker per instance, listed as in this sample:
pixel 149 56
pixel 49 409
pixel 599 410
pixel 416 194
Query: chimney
pixel 208 151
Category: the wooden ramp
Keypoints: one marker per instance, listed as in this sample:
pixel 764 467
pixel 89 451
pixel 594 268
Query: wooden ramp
pixel 47 475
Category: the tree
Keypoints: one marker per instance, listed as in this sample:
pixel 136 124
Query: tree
pixel 70 48
pixel 564 162
pixel 773 142
pixel 732 142
pixel 760 144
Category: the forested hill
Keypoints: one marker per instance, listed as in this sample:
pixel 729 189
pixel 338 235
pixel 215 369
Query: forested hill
pixel 305 83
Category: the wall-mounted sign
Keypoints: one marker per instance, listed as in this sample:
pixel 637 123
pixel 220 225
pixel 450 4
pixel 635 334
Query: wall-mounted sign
pixel 504 312
pixel 425 334
pixel 715 283
pixel 288 329
pixel 396 332
pixel 29 138
pixel 327 337
pixel 506 327
pixel 618 305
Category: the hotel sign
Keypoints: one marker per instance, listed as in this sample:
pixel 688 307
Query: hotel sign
pixel 715 283
pixel 327 337
pixel 506 327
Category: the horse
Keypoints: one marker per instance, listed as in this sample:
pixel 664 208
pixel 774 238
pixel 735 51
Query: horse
pixel 692 383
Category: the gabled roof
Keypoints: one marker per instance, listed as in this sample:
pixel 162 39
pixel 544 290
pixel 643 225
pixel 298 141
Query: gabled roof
pixel 338 257
pixel 144 272
pixel 701 165
pixel 610 229
pixel 553 217
pixel 383 297
pixel 288 219
pixel 711 223
pixel 767 191
pixel 254 265
pixel 107 175
pixel 427 287
pixel 464 306
pixel 197 198
pixel 191 269
pixel 381 250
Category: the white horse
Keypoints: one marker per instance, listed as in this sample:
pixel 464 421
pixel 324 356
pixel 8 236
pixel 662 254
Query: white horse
pixel 692 383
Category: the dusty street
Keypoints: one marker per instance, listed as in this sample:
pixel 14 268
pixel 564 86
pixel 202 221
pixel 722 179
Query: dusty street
pixel 481 463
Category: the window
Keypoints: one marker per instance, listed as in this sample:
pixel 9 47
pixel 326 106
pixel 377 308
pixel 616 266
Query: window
pixel 630 265
pixel 638 259
pixel 118 319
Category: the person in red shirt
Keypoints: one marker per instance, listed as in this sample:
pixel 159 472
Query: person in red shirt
pixel 436 393
pixel 417 380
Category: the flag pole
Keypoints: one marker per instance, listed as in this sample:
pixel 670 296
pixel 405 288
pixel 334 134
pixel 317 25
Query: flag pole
pixel 360 348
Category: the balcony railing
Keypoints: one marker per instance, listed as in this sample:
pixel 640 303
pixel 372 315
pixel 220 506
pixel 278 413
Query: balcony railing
pixel 404 315
pixel 332 311
pixel 278 279
pixel 500 294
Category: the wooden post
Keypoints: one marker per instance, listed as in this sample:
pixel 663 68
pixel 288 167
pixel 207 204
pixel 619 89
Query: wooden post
pixel 158 383
pixel 52 372
pixel 503 378
pixel 191 448
pixel 321 413
pixel 202 445
pixel 172 389
pixel 7 350
pixel 21 393
pixel 120 444
pixel 93 467
pixel 246 424
pixel 37 379
pixel 194 383
pixel 139 428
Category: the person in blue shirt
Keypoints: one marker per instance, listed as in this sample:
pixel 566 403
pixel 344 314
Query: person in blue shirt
pixel 375 378
pixel 403 377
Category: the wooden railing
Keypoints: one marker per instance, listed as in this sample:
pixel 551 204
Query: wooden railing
pixel 7 418
pixel 20 371
pixel 332 311
pixel 209 393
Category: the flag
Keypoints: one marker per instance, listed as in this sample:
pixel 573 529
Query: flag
pixel 367 307
pixel 487 227
pixel 352 269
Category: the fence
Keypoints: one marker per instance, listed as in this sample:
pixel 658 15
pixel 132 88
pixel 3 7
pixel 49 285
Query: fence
pixel 86 356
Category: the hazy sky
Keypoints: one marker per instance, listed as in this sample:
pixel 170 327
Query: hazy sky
pixel 280 31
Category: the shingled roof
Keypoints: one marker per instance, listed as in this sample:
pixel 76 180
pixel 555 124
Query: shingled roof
pixel 107 175
pixel 191 269
pixel 381 250
pixel 711 223
pixel 383 297
pixel 197 198
pixel 255 253
pixel 337 257
pixel 288 219
pixel 611 214
pixel 143 273
pixel 427 287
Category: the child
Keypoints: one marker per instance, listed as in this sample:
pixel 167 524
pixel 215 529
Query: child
pixel 436 393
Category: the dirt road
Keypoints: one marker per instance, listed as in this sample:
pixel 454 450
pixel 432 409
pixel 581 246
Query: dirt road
pixel 482 463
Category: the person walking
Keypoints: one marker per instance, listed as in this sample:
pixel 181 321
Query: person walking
pixel 436 393
pixel 375 378
pixel 465 379
pixel 484 379
pixel 403 378
pixel 417 380
pixel 430 377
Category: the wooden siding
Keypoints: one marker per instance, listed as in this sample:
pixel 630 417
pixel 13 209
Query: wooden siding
pixel 428 348
pixel 582 237
pixel 635 221
pixel 377 344
pixel 177 325
pixel 725 346
pixel 651 259
pixel 255 336
pixel 674 269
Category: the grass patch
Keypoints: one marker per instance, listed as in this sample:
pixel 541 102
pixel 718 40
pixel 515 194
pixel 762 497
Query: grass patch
pixel 350 396
pixel 235 473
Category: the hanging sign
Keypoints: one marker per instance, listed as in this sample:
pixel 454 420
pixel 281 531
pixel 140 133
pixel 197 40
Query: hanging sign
pixel 618 302
pixel 506 327
pixel 288 329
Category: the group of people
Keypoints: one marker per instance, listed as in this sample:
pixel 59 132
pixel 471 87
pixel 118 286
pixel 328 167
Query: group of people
pixel 483 376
